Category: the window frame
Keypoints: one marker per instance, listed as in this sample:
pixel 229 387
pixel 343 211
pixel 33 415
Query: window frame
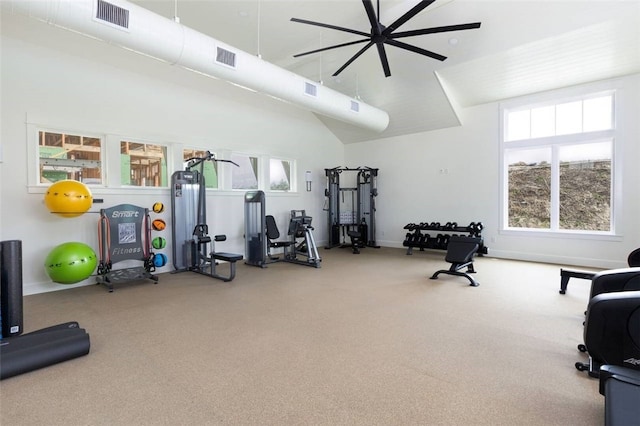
pixel 33 153
pixel 168 148
pixel 259 173
pixel 110 147
pixel 215 165
pixel 293 187
pixel 553 143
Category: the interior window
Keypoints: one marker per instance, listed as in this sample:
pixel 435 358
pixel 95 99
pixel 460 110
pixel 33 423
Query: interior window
pixel 279 175
pixel 245 176
pixel 143 164
pixel 209 168
pixel 69 156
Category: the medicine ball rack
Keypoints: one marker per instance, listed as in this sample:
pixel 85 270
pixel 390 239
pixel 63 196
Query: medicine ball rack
pixel 416 238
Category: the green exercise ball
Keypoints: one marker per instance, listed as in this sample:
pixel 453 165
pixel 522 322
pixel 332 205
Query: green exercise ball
pixel 70 263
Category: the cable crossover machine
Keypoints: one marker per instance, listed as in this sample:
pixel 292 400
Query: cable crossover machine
pixel 190 231
pixel 351 210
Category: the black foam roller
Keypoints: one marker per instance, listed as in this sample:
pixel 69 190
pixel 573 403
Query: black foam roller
pixel 11 287
pixel 42 348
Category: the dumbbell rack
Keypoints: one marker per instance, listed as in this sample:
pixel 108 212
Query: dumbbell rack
pixel 417 238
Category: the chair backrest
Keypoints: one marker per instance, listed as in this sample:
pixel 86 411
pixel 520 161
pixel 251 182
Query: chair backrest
pixel 272 229
pixel 612 329
pixel 612 280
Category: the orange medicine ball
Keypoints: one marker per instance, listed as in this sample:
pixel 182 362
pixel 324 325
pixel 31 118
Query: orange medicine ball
pixel 158 225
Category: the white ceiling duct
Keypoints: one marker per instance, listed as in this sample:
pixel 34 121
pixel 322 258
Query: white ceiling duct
pixel 135 28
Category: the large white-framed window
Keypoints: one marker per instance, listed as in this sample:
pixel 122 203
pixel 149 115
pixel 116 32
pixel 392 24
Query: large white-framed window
pixel 558 165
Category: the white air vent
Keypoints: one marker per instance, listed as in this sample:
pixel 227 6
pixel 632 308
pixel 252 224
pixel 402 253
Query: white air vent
pixel 355 106
pixel 226 57
pixel 310 89
pixel 113 14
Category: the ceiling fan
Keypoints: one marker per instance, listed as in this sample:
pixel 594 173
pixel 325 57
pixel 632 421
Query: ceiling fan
pixel 381 35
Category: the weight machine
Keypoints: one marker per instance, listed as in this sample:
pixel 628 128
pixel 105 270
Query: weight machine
pixel 351 210
pixel 262 234
pixel 190 231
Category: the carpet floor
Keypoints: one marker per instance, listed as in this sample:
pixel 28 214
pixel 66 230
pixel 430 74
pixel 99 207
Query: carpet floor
pixel 366 339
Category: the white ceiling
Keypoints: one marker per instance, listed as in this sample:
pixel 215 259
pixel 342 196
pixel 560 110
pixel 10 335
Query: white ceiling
pixel 522 47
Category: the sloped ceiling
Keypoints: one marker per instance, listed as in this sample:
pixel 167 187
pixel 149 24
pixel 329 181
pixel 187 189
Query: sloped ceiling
pixel 522 47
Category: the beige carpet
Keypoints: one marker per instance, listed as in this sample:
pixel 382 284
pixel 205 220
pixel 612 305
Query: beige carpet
pixel 365 340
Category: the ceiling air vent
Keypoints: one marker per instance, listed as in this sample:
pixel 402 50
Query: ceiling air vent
pixel 226 57
pixel 355 106
pixel 311 89
pixel 112 14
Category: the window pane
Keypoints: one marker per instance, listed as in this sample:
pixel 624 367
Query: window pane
pixel 245 176
pixel 529 188
pixel 143 164
pixel 518 125
pixel 209 168
pixel 64 156
pixel 597 113
pixel 543 121
pixel 585 186
pixel 280 175
pixel 569 118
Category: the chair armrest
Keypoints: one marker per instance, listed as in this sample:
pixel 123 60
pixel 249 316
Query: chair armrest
pixel 623 374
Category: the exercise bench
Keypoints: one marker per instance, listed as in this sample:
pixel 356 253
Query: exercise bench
pixel 565 274
pixel 460 252
pixel 633 260
pixel 205 263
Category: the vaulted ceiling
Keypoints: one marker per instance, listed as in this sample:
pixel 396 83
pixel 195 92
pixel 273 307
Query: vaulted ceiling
pixel 522 47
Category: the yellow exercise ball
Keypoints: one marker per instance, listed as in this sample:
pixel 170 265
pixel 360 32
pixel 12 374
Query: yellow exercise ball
pixel 68 198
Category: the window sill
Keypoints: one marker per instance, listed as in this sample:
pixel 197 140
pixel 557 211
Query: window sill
pixel 147 190
pixel 572 235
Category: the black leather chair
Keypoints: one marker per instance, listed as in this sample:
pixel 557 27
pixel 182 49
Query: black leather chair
pixel 612 331
pixel 460 252
pixel 613 280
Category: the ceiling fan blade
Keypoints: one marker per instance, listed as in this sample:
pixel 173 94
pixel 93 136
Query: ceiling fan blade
pixel 434 30
pixel 333 27
pixel 383 59
pixel 330 47
pixel 404 18
pixel 415 49
pixel 353 58
pixel 371 14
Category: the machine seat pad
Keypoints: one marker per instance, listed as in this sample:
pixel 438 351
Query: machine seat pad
pixel 227 257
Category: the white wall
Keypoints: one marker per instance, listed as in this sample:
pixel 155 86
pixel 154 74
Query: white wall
pixel 453 175
pixel 444 175
pixel 56 86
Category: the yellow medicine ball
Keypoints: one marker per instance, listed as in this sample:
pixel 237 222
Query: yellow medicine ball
pixel 158 207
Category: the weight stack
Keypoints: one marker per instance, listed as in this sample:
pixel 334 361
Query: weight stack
pixel 11 287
